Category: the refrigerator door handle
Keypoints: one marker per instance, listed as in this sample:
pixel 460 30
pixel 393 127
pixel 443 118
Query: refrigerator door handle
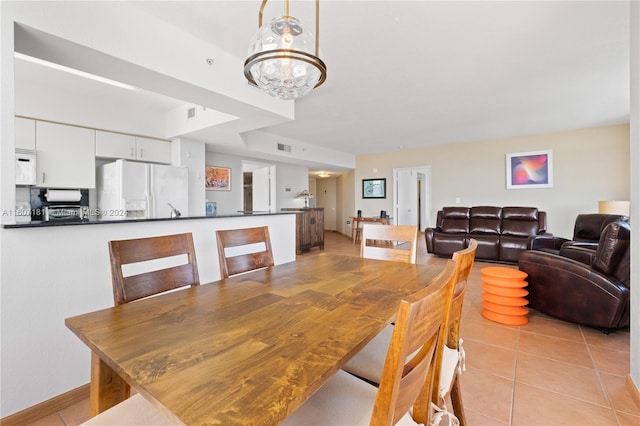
pixel 149 198
pixel 151 202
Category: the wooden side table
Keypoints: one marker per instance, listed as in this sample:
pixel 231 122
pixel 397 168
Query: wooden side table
pixel 356 227
pixel 504 296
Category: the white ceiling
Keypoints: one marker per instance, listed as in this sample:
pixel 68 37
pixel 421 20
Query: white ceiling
pixel 410 74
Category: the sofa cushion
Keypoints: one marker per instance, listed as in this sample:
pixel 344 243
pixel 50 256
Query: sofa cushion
pixel 520 221
pixel 519 228
pixel 446 244
pixel 485 220
pixel 455 220
pixel 488 246
pixel 613 245
pixel 520 213
pixel 511 247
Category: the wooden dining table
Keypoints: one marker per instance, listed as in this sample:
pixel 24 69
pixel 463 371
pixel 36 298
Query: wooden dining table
pixel 249 349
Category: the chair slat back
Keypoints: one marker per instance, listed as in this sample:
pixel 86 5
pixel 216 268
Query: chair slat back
pixel 389 242
pixel 450 335
pixel 408 370
pixel 464 260
pixel 252 246
pixel 156 279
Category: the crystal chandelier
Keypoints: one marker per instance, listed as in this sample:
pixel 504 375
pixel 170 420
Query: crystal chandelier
pixel 283 58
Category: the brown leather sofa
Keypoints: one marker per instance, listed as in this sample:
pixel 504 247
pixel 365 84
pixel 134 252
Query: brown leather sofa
pixel 593 290
pixel 503 233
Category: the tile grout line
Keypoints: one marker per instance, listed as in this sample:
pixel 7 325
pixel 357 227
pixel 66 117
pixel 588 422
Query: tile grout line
pixel 599 376
pixel 515 376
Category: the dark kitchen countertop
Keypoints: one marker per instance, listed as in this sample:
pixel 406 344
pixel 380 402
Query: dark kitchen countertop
pixel 107 222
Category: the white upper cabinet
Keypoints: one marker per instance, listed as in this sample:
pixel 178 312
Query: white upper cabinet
pixel 115 145
pixel 129 147
pixel 25 133
pixel 65 156
pixel 153 150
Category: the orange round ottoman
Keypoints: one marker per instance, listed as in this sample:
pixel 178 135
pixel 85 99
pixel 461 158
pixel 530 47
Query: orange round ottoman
pixel 504 295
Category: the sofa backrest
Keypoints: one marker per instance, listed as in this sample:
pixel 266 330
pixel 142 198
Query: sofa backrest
pixel 589 227
pixel 485 220
pixel 513 221
pixel 455 220
pixel 520 221
pixel 612 255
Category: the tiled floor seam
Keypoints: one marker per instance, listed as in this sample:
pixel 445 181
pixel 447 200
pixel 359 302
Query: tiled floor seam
pixel 515 376
pixel 599 376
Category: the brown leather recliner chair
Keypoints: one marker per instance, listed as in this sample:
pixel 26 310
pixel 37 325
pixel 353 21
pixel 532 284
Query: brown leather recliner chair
pixel 586 233
pixel 594 291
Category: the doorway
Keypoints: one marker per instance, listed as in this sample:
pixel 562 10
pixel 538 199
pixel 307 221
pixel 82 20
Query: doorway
pixel 412 196
pixel 259 183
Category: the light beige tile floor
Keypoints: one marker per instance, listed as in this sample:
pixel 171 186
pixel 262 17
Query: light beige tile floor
pixel 548 372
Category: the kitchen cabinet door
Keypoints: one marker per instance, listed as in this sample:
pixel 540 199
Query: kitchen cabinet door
pixel 65 156
pixel 115 145
pixel 25 133
pixel 153 150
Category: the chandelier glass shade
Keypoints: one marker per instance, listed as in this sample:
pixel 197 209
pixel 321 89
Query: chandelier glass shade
pixel 283 57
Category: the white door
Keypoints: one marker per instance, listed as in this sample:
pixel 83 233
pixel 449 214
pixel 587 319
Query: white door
pixel 411 197
pixel 407 202
pixel 262 189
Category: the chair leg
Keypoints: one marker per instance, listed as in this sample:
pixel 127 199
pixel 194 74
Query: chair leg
pixel 456 401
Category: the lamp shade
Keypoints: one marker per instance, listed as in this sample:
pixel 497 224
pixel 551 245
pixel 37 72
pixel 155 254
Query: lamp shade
pixel 614 207
pixel 283 57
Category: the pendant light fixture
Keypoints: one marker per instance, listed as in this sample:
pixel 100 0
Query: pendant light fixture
pixel 283 57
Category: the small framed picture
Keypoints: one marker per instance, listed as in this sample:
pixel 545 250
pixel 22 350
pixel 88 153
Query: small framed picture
pixel 530 170
pixel 374 188
pixel 217 178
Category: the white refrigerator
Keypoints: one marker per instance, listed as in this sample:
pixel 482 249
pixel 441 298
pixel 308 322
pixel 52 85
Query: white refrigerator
pixel 132 190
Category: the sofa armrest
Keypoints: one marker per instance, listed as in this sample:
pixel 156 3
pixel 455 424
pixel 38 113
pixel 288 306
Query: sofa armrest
pixel 582 244
pixel 545 242
pixel 571 290
pixel 428 236
pixel 582 254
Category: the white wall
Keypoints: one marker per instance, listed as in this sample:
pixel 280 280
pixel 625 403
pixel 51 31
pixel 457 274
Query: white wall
pixel 635 192
pixel 57 272
pixel 190 154
pixel 293 177
pixel 347 190
pixel 39 100
pixel 326 197
pixel 287 176
pixel 588 165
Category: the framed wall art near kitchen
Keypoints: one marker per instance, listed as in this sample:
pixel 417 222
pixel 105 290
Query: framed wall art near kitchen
pixel 530 169
pixel 218 178
pixel 374 188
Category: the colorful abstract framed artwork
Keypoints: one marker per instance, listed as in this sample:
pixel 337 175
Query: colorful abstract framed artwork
pixel 530 170
pixel 218 178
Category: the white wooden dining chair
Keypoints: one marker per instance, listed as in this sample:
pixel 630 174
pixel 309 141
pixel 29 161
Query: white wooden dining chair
pixel 389 242
pixel 404 392
pixel 367 363
pixel 135 411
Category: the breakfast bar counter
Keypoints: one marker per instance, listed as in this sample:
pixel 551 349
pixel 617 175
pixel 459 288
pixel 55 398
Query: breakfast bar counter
pixel 43 224
pixel 62 270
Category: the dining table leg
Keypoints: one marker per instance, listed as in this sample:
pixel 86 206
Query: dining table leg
pixel 107 388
